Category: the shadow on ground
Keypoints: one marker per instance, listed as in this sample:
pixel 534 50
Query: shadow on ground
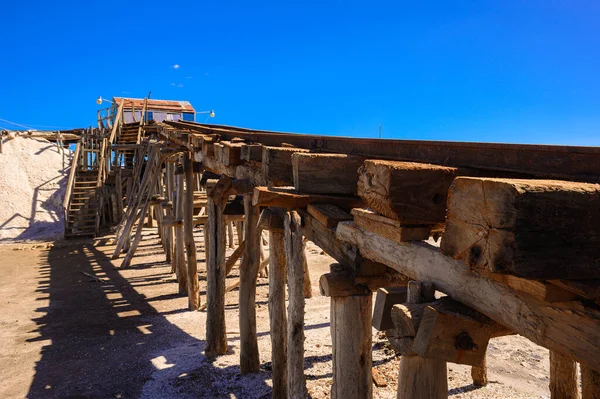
pixel 108 341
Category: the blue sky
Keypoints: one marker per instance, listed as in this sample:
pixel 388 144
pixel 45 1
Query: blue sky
pixel 504 71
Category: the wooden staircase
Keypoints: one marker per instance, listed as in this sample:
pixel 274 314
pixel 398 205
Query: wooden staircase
pixel 82 216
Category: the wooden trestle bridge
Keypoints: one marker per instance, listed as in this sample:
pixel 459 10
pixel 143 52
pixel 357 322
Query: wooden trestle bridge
pixel 461 242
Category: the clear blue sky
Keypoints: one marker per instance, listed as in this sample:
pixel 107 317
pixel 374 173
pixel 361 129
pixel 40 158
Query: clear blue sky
pixel 505 71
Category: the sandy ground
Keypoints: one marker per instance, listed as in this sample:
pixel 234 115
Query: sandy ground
pixel 66 335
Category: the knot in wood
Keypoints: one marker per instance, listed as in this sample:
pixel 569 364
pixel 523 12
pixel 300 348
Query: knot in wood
pixel 464 342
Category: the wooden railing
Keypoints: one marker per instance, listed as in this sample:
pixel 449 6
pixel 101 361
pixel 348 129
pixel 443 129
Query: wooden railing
pixel 69 190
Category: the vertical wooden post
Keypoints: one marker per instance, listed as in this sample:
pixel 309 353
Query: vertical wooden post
pixel 307 283
pixel 590 382
pixel 351 334
pixel 216 337
pixel 193 287
pixel 230 235
pixel 563 377
pixel 277 316
pixel 479 374
pixel 294 252
pixel 249 360
pixel 180 268
pixel 421 378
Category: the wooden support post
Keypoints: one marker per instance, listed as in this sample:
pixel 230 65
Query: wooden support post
pixel 230 235
pixel 294 252
pixel 563 377
pixel 193 287
pixel 216 337
pixel 277 316
pixel 479 374
pixel 352 340
pixel 421 378
pixel 590 382
pixel 249 360
pixel 307 282
pixel 180 268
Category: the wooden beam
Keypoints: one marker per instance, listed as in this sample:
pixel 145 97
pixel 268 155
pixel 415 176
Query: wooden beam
pixel 413 193
pixel 369 220
pixel 251 152
pixel 287 198
pixel 545 161
pixel 384 300
pixel 277 165
pixel 529 228
pixel 573 333
pixel 590 382
pixel 325 173
pixel 327 214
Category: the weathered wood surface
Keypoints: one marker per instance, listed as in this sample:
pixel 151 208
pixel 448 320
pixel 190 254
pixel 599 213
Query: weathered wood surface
pixel 294 252
pixel 413 193
pixel 327 214
pixel 180 266
pixel 347 283
pixel 384 300
pixel 325 173
pixel 193 286
pixel 287 198
pixel 249 358
pixel 277 315
pixel 277 165
pixel 216 337
pixel 529 228
pixel 479 374
pixel 421 378
pixel 571 332
pixel 539 290
pixel 590 382
pixel 563 377
pixel 369 220
pixel 351 336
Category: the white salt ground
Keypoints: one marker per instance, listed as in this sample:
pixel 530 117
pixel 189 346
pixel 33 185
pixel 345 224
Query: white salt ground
pixel 32 187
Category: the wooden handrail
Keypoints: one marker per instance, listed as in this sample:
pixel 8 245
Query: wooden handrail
pixel 142 120
pixel 74 165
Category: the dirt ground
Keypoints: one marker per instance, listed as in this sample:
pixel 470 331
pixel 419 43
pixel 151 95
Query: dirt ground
pixel 64 334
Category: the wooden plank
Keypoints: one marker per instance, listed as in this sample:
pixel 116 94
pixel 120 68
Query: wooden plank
pixel 326 173
pixel 368 219
pixel 589 289
pixel 529 228
pixel 590 382
pixel 573 333
pixel 287 198
pixel 414 193
pixel 277 165
pixel 327 214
